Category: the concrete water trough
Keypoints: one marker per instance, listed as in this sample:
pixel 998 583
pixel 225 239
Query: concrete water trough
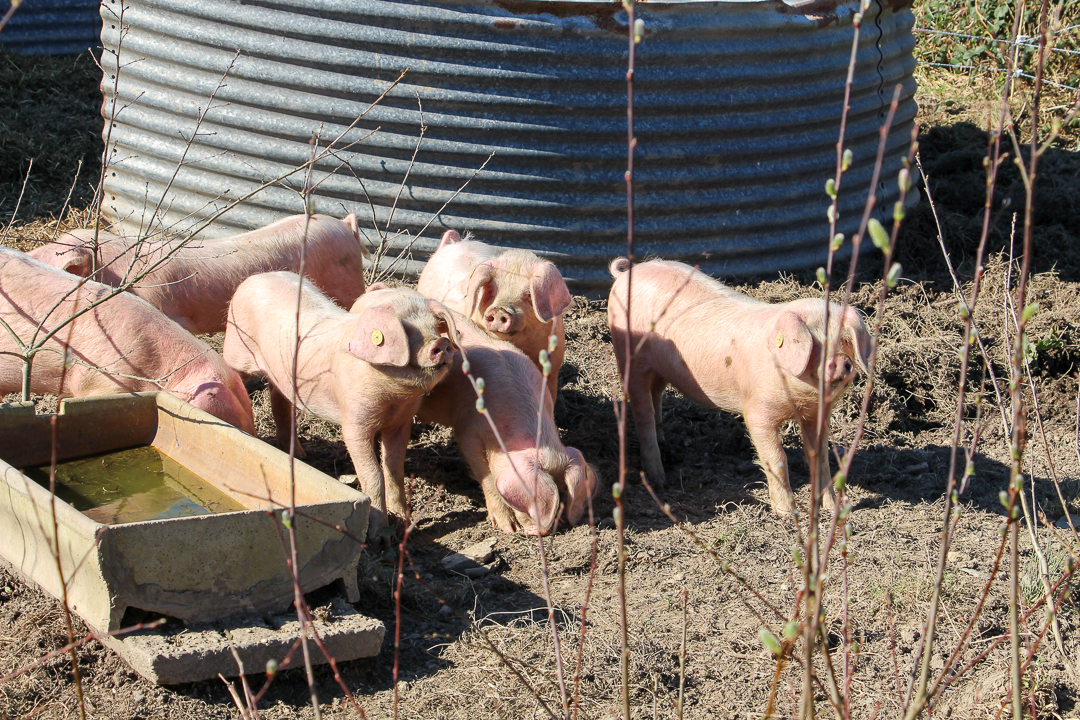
pixel 200 542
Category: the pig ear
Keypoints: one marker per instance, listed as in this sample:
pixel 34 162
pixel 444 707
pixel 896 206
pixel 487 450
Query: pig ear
pixel 792 343
pixel 350 220
pixel 449 238
pixel 517 492
pixel 549 294
pixel 855 332
pixel 480 294
pixel 443 314
pixel 380 338
pixel 77 261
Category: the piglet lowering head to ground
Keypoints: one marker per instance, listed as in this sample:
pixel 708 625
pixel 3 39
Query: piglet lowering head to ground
pixel 121 345
pixel 513 294
pixel 193 283
pixel 527 486
pixel 365 370
pixel 725 350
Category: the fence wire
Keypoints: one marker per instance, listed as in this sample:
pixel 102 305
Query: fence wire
pixel 1021 41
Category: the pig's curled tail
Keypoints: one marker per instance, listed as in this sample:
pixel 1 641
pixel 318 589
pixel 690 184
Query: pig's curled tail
pixel 619 266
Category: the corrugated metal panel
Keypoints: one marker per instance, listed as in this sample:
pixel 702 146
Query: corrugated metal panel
pixel 737 111
pixel 52 27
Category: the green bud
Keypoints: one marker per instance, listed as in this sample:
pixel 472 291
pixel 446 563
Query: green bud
pixel 878 235
pixel 553 342
pixel 904 180
pixel 894 275
pixel 830 213
pixel 271 667
pixel 616 491
pixel 837 241
pixel 543 356
pixel 898 211
pixel 769 641
pixel 846 162
pixel 964 311
pixel 1029 312
pixel 639 30
pixel 830 188
pixel 616 514
pixel 857 19
pixel 480 385
pixel 838 481
pixel 547 368
pixel 1003 498
pixel 797 556
pixel 821 276
pixel 667 508
pixel 286 518
pixel 791 630
pixel 465 367
pixel 480 406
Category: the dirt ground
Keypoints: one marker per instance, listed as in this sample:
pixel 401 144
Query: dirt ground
pixel 896 485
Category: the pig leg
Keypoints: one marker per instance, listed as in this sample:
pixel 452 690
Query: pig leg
pixel 821 461
pixel 500 514
pixel 765 435
pixel 658 387
pixel 394 441
pixel 281 409
pixel 360 442
pixel 645 421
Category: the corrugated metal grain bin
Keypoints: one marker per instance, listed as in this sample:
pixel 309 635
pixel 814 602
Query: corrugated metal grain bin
pixel 52 27
pixel 737 113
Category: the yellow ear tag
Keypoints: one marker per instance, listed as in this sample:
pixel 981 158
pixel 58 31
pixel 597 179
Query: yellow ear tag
pixel 779 339
pixel 376 337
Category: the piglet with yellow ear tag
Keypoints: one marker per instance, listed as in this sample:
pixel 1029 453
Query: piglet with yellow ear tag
pixel 723 349
pixel 366 369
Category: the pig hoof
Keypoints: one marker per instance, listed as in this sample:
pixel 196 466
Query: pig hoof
pixel 382 539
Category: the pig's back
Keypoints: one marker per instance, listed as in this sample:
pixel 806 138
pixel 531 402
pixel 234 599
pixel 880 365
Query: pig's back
pixel 124 335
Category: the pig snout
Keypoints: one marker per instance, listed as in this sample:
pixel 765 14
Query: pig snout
pixel 216 399
pixel 502 320
pixel 840 369
pixel 439 353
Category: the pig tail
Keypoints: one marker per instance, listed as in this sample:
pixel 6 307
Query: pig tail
pixel 619 266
